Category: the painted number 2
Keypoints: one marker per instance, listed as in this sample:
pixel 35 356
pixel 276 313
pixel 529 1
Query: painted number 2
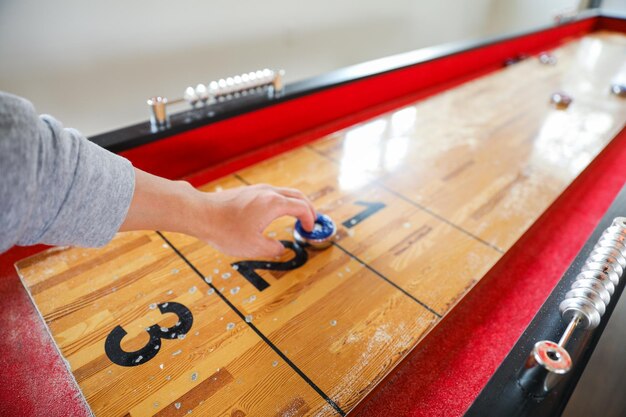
pixel 248 268
pixel 113 347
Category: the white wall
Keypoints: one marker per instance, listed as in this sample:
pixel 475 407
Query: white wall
pixel 614 5
pixel 93 64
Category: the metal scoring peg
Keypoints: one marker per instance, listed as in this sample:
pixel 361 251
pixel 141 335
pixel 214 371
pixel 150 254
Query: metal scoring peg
pixel 619 89
pixel 202 92
pixel 190 96
pixel 561 100
pixel 584 305
pixel 547 58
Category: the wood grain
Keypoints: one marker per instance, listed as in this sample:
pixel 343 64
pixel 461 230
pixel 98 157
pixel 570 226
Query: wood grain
pixel 457 179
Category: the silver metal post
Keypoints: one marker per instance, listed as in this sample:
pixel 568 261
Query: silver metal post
pixel 158 117
pixel 569 330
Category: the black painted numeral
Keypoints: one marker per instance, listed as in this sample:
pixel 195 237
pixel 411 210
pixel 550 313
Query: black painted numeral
pixel 113 347
pixel 370 208
pixel 248 268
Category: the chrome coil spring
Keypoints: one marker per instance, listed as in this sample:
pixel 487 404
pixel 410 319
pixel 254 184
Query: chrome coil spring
pixel 591 292
pixel 233 86
pixel 583 306
pixel 270 81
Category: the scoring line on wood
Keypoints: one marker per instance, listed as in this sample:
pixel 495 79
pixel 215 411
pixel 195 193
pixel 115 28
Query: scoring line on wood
pixel 265 339
pixel 443 219
pixel 413 203
pixel 384 278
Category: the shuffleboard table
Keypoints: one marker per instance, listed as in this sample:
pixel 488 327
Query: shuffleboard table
pixel 462 190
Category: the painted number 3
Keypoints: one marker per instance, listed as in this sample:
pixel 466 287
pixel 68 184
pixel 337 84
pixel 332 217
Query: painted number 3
pixel 113 347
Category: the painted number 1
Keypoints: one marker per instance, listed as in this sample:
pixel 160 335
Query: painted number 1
pixel 370 208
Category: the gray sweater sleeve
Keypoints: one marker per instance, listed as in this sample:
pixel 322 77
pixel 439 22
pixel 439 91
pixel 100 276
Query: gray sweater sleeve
pixel 56 187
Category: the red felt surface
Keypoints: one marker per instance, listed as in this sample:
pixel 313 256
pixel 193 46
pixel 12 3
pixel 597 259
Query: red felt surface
pixel 33 377
pixel 454 362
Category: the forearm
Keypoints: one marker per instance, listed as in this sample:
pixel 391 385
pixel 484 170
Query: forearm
pixel 58 188
pixel 162 204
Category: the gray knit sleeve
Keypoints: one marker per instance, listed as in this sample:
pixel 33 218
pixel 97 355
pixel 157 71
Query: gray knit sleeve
pixel 56 187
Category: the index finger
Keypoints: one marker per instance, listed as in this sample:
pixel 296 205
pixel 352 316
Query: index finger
pixel 295 193
pixel 296 208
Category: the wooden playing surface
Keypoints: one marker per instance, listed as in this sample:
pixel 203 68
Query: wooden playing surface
pixel 426 198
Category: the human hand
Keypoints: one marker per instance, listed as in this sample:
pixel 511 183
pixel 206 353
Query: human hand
pixel 233 220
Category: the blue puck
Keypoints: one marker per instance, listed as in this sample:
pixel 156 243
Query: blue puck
pixel 321 235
